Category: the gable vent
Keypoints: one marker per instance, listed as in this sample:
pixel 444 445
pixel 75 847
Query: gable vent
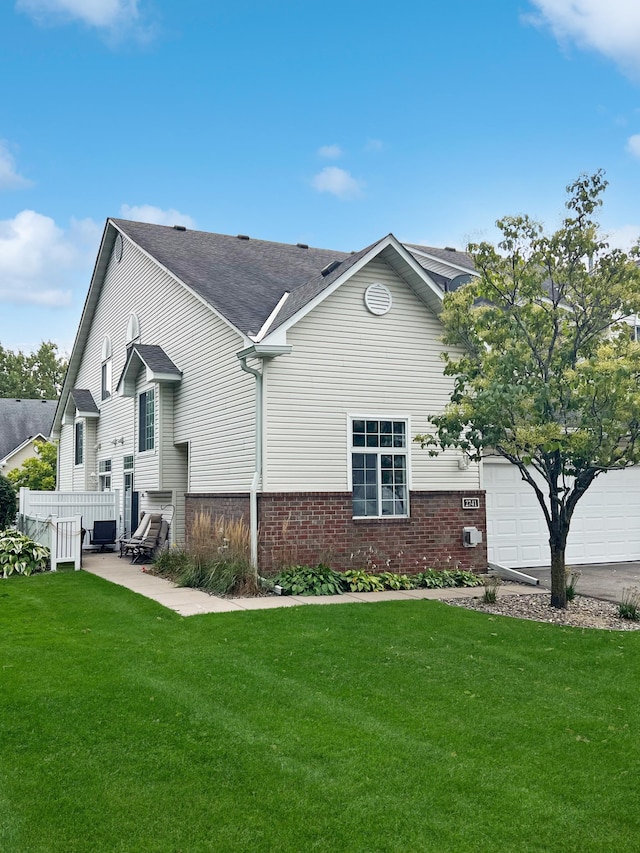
pixel 377 298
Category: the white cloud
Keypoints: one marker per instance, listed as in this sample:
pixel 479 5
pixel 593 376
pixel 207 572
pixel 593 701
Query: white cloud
pixel 624 237
pixel 156 215
pixel 330 152
pixel 39 260
pixel 10 179
pixel 611 28
pixel 337 182
pixel 118 17
pixel 633 145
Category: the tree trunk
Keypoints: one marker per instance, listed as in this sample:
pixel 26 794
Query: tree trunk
pixel 558 576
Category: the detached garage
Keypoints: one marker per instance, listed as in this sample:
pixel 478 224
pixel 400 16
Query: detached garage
pixel 605 527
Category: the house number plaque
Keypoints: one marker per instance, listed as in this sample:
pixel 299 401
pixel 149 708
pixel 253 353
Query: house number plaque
pixel 470 503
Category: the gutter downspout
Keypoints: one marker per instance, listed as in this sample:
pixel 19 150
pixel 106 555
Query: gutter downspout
pixel 257 474
pixel 262 352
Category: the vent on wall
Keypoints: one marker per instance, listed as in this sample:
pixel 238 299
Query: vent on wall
pixel 377 298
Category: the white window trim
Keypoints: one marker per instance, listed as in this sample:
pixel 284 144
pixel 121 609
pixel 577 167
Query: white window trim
pixel 156 439
pixel 379 416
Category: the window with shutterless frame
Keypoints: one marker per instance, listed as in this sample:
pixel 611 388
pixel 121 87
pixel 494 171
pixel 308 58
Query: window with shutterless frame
pixel 79 443
pixel 379 463
pixel 146 421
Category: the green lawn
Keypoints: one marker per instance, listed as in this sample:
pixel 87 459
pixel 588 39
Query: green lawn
pixel 405 726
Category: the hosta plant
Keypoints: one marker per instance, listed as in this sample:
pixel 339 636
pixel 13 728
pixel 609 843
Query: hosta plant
pixel 361 581
pixel 21 555
pixel 392 580
pixel 302 580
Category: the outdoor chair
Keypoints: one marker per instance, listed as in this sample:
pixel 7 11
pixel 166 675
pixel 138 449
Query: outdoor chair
pixel 155 539
pixel 150 547
pixel 103 534
pixel 128 543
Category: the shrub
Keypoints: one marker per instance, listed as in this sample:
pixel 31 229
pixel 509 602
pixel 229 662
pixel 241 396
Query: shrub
pixel 629 607
pixel 358 580
pixel 21 555
pixel 302 580
pixel 8 507
pixel 391 580
pixel 468 579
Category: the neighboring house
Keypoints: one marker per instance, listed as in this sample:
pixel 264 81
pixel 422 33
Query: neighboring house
pixel 280 382
pixel 22 423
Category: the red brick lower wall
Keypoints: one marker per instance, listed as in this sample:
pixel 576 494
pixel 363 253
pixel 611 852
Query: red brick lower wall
pixel 310 527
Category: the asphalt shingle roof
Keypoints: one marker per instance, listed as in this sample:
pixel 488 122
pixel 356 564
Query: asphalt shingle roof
pixel 449 256
pixel 242 279
pixel 156 359
pixel 22 419
pixel 83 400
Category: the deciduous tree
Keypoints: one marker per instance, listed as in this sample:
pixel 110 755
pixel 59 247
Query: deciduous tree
pixel 546 365
pixel 32 375
pixel 37 472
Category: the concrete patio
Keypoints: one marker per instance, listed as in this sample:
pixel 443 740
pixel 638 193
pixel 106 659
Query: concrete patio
pixel 190 602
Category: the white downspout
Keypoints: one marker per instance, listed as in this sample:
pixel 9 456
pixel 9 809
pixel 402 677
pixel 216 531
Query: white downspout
pixel 257 474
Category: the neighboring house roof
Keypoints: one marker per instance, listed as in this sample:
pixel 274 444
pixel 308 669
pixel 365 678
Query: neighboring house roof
pixel 21 420
pixel 455 257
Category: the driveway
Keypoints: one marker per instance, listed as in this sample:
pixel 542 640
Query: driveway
pixel 600 580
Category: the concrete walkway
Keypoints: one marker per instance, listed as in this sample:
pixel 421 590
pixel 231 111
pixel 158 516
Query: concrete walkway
pixel 189 602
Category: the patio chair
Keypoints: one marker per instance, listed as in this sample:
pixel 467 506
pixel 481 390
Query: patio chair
pixel 103 534
pixel 128 543
pixel 153 542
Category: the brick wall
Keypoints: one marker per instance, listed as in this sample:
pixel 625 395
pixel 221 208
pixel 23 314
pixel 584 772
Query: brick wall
pixel 307 528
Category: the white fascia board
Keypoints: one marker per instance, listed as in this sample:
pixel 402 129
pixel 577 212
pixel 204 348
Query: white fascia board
pixel 271 318
pixel 439 260
pixel 155 376
pixel 80 414
pixel 264 351
pixel 377 249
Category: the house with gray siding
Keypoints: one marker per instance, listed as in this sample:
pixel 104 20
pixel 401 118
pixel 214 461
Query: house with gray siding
pixel 277 382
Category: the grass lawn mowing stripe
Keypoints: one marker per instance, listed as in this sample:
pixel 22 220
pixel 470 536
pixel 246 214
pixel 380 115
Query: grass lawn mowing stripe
pixel 389 727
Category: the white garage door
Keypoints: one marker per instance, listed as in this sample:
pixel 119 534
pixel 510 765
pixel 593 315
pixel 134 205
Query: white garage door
pixel 605 527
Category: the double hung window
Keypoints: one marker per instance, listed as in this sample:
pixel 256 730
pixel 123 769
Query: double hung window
pixel 146 421
pixel 379 468
pixel 104 475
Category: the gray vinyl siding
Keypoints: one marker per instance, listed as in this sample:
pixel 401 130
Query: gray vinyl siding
pixel 211 409
pixel 346 361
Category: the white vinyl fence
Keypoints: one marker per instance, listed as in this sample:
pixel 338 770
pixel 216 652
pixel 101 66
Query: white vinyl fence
pixel 56 519
pixel 62 536
pixel 92 506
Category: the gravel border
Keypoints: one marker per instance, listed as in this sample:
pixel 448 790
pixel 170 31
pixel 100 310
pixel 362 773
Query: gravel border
pixel 582 612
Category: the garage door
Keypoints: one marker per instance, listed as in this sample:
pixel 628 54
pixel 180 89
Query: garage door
pixel 605 526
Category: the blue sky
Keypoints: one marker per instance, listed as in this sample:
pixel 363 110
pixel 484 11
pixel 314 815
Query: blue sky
pixel 326 123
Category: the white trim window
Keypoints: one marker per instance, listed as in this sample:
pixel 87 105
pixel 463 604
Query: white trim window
pixel 379 467
pixel 146 421
pixel 104 475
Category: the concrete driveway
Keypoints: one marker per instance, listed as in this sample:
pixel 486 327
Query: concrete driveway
pixel 600 580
